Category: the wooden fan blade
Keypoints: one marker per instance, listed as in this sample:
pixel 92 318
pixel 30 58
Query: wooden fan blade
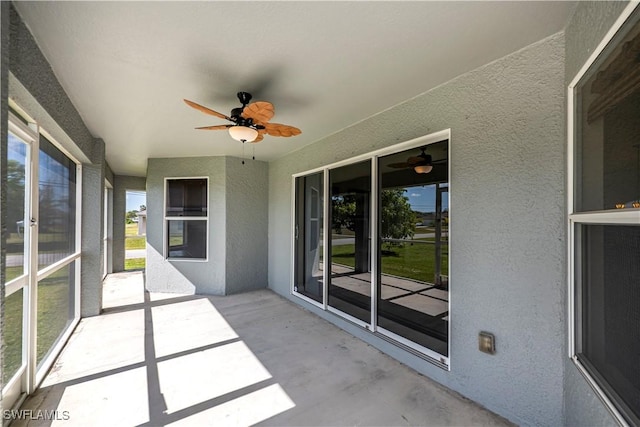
pixel 261 112
pixel 277 129
pixel 206 110
pixel 400 165
pixel 414 160
pixel 216 127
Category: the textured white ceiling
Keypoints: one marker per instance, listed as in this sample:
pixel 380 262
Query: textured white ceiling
pixel 324 65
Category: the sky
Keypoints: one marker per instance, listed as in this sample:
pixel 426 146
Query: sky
pixel 423 198
pixel 135 199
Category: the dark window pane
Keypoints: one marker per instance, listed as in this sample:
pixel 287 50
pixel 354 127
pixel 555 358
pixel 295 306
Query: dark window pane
pixel 57 205
pixel 187 239
pixel 413 284
pixel 16 194
pixel 350 282
pixel 611 310
pixel 309 236
pixel 186 197
pixel 608 149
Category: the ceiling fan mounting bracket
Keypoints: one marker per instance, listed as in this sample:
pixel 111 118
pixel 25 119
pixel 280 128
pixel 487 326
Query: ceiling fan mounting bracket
pixel 244 98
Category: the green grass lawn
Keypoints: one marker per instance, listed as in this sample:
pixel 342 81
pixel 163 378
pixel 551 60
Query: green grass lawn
pixel 53 318
pixel 134 263
pixel 132 240
pixel 411 261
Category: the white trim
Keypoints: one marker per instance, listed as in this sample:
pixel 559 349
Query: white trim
pixel 307 299
pixel 442 361
pixel 374 218
pixel 601 394
pixel 438 359
pixel 575 219
pixel 326 272
pixel 58 265
pixel 55 350
pixel 166 219
pixel 407 145
pixel 622 19
pixel 350 318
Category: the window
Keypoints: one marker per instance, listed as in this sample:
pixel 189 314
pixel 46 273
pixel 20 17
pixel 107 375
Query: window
pixel 604 220
pixel 371 243
pixel 186 218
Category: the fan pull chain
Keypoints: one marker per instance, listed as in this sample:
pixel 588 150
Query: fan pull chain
pixel 254 150
pixel 243 151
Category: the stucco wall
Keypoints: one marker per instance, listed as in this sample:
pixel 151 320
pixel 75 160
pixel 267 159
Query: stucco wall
pixel 246 225
pixel 183 276
pixel 586 29
pixel 507 241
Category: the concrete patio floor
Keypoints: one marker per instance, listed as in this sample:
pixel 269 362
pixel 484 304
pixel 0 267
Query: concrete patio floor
pixel 254 358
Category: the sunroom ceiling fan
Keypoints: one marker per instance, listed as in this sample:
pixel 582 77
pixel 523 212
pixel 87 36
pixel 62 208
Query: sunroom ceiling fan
pixel 250 122
pixel 422 163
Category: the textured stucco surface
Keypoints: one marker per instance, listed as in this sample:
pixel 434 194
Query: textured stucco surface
pixel 507 241
pixel 246 225
pixel 237 251
pixel 92 247
pixel 184 276
pixel 121 184
pixel 584 32
pixel 53 109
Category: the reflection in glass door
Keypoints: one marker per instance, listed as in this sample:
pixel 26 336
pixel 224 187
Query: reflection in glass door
pixel 17 266
pixel 413 285
pixel 309 236
pixel 350 251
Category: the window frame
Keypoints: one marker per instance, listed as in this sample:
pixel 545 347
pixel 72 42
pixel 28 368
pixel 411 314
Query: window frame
pixel 628 216
pixel 416 349
pixel 167 218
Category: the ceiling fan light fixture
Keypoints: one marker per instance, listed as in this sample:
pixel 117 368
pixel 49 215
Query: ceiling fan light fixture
pixel 423 168
pixel 243 133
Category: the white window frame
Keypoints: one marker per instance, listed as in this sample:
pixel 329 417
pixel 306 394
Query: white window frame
pixel 166 220
pixel 431 356
pixel 576 219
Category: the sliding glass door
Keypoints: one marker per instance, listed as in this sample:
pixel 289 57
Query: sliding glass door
pixel 413 250
pixel 386 217
pixel 42 261
pixel 350 250
pixel 17 268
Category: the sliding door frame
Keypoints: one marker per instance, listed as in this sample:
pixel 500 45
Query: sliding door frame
pixel 430 355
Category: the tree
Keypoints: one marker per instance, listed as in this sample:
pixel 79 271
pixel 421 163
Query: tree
pixel 130 217
pixel 398 221
pixel 397 218
pixel 15 193
pixel 143 208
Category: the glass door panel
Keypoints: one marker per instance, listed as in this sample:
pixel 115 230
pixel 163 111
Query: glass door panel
pixel 57 205
pixel 412 285
pixel 350 278
pixel 309 236
pixel 16 266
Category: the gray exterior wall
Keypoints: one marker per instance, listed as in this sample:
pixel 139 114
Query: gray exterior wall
pixel 246 225
pixel 237 251
pixel 121 184
pixel 188 277
pixel 585 31
pixel 507 239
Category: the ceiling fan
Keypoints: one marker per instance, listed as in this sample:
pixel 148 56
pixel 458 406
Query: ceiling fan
pixel 422 163
pixel 250 122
